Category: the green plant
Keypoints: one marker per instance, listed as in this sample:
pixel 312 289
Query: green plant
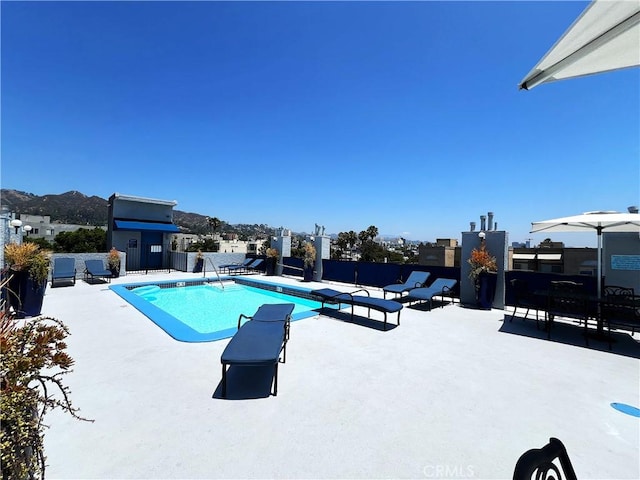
pixel 28 257
pixel 113 259
pixel 33 361
pixel 309 254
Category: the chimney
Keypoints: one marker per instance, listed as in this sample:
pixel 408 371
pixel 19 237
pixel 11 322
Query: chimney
pixel 490 223
pixel 483 224
pixel 632 209
pixel 495 226
pixel 473 226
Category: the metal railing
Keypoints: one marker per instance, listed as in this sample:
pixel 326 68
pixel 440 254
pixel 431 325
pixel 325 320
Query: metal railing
pixel 204 270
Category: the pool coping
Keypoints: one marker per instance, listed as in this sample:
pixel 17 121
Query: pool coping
pixel 183 333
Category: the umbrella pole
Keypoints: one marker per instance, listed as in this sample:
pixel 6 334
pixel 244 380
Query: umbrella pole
pixel 599 263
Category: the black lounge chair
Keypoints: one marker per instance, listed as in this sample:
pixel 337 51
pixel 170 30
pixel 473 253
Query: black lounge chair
pixel 550 461
pixel 416 279
pixel 259 341
pixel 328 295
pixel 441 287
pixel 64 268
pixel 95 269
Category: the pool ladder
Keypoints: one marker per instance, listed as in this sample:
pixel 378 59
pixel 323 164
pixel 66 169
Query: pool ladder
pixel 204 271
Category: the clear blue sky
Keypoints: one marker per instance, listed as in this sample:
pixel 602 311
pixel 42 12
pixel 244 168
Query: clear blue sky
pixel 402 115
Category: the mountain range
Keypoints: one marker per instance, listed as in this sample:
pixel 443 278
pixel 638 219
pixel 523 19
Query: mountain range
pixel 79 209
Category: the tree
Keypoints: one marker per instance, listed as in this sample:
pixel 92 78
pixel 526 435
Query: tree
pixel 372 232
pixel 43 243
pixel 344 243
pixel 205 245
pixel 83 240
pixel 214 223
pixel 370 251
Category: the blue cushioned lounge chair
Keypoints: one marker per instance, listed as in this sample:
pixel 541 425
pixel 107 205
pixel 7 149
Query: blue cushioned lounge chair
pixel 255 263
pixel 441 287
pixel 328 295
pixel 95 269
pixel 64 268
pixel 259 341
pixel 246 262
pixel 255 266
pixel 416 279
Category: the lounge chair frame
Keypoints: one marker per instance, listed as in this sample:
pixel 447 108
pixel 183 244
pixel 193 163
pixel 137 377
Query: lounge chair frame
pixel 328 295
pixel 434 290
pixel 226 266
pixel 64 268
pixel 96 269
pixel 265 330
pixel 416 279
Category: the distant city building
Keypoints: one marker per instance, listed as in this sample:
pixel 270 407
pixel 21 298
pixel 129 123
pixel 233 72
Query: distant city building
pixel 444 253
pixel 571 261
pixel 40 226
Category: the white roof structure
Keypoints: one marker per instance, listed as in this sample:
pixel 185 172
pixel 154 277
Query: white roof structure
pixel 605 37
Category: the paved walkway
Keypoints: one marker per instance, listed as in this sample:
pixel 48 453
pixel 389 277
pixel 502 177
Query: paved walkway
pixel 451 393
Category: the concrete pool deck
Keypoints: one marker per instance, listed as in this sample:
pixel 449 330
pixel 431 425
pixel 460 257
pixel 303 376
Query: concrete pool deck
pixel 451 393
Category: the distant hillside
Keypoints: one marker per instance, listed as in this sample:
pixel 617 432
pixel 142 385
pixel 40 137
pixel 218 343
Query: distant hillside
pixel 71 207
pixel 77 208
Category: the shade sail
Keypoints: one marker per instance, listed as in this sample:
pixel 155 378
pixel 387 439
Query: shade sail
pixel 605 37
pixel 592 221
pixel 146 226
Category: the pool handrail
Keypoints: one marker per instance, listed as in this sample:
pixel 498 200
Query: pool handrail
pixel 204 271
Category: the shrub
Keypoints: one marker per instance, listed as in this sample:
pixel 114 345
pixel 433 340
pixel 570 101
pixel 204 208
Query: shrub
pixel 32 365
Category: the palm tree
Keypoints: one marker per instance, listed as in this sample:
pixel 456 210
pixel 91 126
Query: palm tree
pixel 214 223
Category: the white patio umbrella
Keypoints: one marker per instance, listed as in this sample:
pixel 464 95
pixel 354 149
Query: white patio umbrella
pixel 605 37
pixel 598 221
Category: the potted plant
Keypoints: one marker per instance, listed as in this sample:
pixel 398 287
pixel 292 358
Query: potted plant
pixel 482 274
pixel 272 259
pixel 197 268
pixel 309 260
pixel 27 270
pixel 32 365
pixel 113 262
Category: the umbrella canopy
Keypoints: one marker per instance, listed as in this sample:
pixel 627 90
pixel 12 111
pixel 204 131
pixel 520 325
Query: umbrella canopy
pixel 590 221
pixel 605 37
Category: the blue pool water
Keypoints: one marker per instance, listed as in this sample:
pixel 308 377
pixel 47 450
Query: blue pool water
pixel 206 312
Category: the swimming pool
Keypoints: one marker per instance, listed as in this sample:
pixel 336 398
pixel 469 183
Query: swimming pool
pixel 201 311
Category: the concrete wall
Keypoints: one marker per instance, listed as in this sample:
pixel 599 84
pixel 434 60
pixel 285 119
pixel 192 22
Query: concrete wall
pixel 214 258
